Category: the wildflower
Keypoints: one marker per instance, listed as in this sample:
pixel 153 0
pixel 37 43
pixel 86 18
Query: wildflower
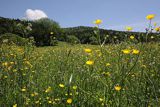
pixel 135 51
pixel 61 85
pixel 100 99
pixel 157 29
pixel 51 33
pixel 108 64
pixel 49 102
pixel 131 37
pixel 97 22
pixel 15 70
pixel 150 16
pixel 47 98
pixel 23 89
pixel 69 100
pixel 5 64
pixel 90 62
pixel 57 99
pixel 48 89
pixel 106 73
pixel 126 51
pixel 128 28
pixel 74 87
pixel 37 101
pixel 11 63
pixel 117 87
pixel 5 76
pixel 15 105
pixel 88 50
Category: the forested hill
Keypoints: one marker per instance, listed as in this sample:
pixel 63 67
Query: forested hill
pixel 41 31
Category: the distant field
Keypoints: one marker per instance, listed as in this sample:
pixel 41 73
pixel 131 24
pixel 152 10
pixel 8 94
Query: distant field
pixel 122 75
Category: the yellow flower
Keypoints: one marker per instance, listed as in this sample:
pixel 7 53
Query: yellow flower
pixel 11 63
pixel 74 87
pixel 23 89
pixel 157 29
pixel 98 21
pixel 150 16
pixel 5 76
pixel 117 87
pixel 90 62
pixel 108 64
pixel 51 33
pixel 128 28
pixel 88 50
pixel 100 99
pixel 106 73
pixel 48 89
pixel 152 37
pixel 126 51
pixel 49 102
pixel 69 100
pixel 135 51
pixel 37 101
pixel 15 105
pixel 61 85
pixel 5 64
pixel 131 37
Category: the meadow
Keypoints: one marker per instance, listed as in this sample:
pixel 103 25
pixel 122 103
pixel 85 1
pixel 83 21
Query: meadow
pixel 126 74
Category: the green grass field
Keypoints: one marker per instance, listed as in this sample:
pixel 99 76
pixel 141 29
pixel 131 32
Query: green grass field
pixel 122 75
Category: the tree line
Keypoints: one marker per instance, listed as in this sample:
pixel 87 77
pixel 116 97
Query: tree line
pixel 47 32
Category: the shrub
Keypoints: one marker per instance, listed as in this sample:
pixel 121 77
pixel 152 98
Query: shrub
pixel 53 41
pixel 9 38
pixel 73 39
pixel 93 40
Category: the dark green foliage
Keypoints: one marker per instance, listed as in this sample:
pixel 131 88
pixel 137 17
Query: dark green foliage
pixel 9 38
pixel 73 39
pixel 93 40
pixel 53 41
pixel 40 30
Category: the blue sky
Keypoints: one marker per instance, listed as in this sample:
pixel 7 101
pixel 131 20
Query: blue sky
pixel 116 14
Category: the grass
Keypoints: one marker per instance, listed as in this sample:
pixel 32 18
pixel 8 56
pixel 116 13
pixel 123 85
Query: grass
pixel 59 76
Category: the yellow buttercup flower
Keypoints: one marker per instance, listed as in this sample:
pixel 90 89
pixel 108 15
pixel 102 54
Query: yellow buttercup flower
pixel 88 50
pixel 131 37
pixel 100 99
pixel 117 87
pixel 108 64
pixel 135 51
pixel 90 62
pixel 48 89
pixel 128 28
pixel 51 33
pixel 15 105
pixel 69 100
pixel 126 51
pixel 150 16
pixel 97 22
pixel 61 85
pixel 49 102
pixel 5 64
pixel 23 89
pixel 74 87
pixel 157 29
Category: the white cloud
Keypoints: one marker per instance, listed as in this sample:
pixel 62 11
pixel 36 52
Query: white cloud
pixel 35 14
